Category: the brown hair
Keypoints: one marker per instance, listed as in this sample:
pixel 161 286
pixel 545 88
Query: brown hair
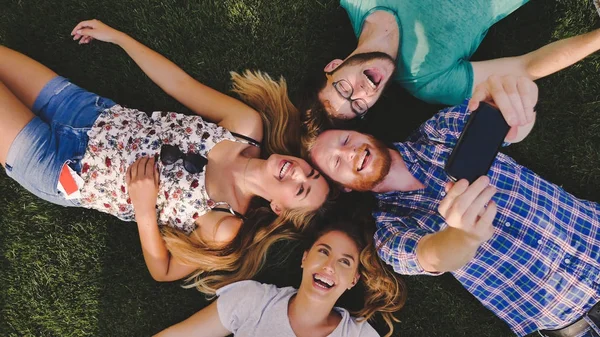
pixel 385 293
pixel 245 255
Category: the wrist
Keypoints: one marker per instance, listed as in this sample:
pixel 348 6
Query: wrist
pixel 146 218
pixel 467 239
pixel 120 38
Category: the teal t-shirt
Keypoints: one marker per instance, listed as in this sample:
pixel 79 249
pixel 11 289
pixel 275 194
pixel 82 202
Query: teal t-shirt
pixel 437 39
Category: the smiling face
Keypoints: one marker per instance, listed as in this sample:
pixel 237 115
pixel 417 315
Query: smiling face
pixel 330 267
pixel 352 159
pixel 366 76
pixel 292 183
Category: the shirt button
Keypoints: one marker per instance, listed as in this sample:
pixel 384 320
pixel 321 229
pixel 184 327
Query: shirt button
pixel 539 242
pixel 567 261
pixel 507 224
pixel 443 194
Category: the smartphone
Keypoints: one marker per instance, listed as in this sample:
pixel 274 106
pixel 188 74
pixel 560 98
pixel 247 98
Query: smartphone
pixel 593 317
pixel 478 144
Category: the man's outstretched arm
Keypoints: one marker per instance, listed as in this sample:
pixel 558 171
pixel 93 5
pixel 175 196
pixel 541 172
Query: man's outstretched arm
pixel 541 62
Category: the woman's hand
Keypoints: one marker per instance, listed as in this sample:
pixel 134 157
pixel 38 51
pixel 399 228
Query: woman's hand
pixel 88 30
pixel 142 183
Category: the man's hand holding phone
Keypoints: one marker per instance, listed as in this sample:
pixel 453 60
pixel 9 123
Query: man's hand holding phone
pixel 515 97
pixel 469 225
pixel 470 209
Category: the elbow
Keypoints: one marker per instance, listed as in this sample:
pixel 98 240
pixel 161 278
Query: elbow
pixel 160 278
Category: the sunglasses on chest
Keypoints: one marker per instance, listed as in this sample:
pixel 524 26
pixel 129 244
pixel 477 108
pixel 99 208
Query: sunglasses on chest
pixel 192 162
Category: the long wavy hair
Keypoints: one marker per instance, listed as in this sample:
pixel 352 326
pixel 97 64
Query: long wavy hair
pixel 384 292
pixel 244 256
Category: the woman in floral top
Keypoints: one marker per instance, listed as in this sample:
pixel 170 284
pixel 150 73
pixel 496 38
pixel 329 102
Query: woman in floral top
pixel 74 148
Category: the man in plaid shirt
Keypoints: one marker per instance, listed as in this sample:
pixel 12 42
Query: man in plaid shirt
pixel 527 249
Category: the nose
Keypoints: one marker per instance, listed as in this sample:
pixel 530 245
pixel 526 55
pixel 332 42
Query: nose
pixel 364 90
pixel 328 266
pixel 298 173
pixel 348 152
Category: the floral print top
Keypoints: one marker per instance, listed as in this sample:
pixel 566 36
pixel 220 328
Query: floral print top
pixel 121 135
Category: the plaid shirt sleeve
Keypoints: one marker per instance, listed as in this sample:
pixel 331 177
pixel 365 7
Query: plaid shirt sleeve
pixel 397 245
pixel 446 126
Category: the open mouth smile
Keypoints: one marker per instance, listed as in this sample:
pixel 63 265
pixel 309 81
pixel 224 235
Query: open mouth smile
pixel 374 78
pixel 285 168
pixel 363 160
pixel 323 282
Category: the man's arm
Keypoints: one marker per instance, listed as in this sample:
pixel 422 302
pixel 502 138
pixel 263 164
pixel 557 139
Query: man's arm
pixel 541 62
pixel 469 225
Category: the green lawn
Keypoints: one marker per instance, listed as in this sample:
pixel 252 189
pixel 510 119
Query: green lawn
pixel 75 272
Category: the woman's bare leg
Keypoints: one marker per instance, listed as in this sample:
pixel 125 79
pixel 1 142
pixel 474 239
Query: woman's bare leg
pixel 14 115
pixel 23 76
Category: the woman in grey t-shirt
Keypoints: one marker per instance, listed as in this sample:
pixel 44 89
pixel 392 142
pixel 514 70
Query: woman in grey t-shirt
pixel 340 257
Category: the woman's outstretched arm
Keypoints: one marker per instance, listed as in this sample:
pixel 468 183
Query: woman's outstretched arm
pixel 142 185
pixel 205 101
pixel 204 323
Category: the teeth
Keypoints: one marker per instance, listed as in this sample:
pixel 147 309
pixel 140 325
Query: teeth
pixel 362 160
pixel 328 282
pixel 373 85
pixel 284 169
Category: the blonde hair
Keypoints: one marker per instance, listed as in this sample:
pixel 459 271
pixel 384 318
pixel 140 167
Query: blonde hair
pixel 245 255
pixel 384 292
pixel 281 119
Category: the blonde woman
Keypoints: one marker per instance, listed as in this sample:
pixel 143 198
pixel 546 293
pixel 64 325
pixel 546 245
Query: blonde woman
pixel 341 256
pixel 74 148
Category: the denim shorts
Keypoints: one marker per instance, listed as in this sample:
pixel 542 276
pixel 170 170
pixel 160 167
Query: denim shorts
pixel 55 136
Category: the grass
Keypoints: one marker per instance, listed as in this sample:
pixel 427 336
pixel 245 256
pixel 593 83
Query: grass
pixel 75 272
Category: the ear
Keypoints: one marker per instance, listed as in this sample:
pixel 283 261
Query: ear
pixel 355 280
pixel 331 66
pixel 303 258
pixel 275 208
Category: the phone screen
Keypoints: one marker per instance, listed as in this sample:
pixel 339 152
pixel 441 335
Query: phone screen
pixel 478 144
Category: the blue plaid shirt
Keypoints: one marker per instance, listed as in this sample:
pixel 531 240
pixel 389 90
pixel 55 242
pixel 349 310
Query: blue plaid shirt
pixel 541 268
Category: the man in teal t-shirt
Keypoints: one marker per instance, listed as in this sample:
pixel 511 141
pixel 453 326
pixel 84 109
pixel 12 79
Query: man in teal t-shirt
pixel 426 46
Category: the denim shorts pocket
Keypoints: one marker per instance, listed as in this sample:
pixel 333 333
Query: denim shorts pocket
pixel 71 144
pixel 104 103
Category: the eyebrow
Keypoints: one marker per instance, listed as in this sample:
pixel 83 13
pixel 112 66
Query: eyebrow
pixel 345 255
pixel 313 172
pixel 306 195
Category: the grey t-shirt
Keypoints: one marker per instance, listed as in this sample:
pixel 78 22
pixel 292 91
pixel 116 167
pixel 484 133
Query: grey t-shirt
pixel 250 308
